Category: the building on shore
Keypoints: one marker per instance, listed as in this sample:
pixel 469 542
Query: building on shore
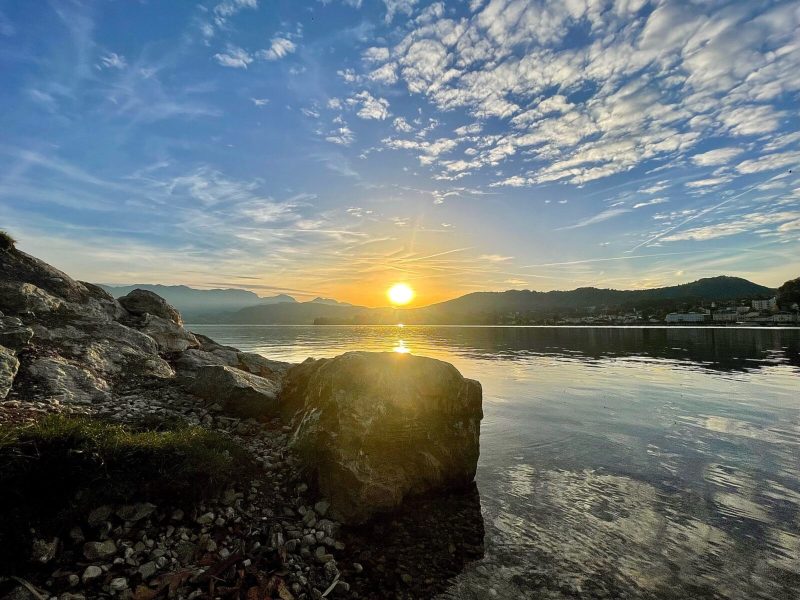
pixel 770 304
pixel 690 317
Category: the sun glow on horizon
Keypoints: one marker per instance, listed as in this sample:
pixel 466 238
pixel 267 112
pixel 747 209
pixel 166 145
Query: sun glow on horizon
pixel 400 293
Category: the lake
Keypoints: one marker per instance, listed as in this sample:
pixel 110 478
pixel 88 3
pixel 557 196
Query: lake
pixel 615 462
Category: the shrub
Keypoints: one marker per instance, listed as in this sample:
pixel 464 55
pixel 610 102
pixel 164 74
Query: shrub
pixel 54 472
pixel 6 241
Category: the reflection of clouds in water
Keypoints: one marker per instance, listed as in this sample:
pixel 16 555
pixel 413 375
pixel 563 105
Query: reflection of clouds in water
pixel 603 534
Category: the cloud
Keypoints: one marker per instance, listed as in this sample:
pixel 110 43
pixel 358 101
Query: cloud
pixel 720 156
pixel 607 214
pixel 369 106
pixel 234 57
pixel 394 7
pixel 401 125
pixel 650 202
pixel 737 226
pixel 279 47
pixel 112 60
pixel 342 136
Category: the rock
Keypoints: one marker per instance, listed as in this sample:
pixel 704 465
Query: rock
pixel 43 551
pixel 322 507
pixel 9 365
pixel 147 570
pixel 135 512
pixel 205 519
pixel 13 334
pixel 242 394
pixel 67 381
pixel 170 336
pixel 118 584
pixel 92 572
pixel 99 550
pixel 99 515
pixel 373 428
pixel 143 302
pixel 20 592
pixel 22 298
pixel 185 552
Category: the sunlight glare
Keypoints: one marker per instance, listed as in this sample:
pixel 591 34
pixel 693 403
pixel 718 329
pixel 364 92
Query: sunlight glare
pixel 400 293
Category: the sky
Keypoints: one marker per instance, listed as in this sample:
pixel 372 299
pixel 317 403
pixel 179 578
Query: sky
pixel 332 148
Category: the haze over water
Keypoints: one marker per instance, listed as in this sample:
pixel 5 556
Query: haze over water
pixel 615 462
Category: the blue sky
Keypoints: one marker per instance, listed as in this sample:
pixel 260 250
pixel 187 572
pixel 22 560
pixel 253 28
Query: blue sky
pixel 333 148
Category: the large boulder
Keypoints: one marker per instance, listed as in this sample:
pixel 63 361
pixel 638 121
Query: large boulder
pixel 8 370
pixel 169 335
pixel 375 428
pixel 212 353
pixel 143 302
pixel 240 394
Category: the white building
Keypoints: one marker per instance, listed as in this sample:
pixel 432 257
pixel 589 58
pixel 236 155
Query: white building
pixel 691 317
pixel 765 304
pixel 784 317
pixel 726 316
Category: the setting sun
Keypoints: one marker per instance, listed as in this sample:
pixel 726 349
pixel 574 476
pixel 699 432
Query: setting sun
pixel 400 293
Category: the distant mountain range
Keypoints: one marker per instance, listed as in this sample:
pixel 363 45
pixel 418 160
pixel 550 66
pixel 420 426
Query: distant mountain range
pixel 493 307
pixel 205 304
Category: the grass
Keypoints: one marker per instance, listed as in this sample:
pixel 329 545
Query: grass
pixel 52 473
pixel 6 241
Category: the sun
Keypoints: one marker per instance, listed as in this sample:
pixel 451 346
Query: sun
pixel 400 293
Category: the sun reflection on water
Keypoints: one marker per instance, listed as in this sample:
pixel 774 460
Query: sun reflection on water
pixel 401 347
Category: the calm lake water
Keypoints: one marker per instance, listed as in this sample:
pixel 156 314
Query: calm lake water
pixel 615 462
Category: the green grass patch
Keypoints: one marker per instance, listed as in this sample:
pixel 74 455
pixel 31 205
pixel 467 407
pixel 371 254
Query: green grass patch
pixel 53 472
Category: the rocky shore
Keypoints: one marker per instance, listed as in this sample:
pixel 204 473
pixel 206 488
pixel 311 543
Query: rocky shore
pixel 139 460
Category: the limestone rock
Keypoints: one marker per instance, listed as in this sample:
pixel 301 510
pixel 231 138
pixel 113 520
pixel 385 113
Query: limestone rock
pixel 211 353
pixel 170 336
pixel 22 298
pixel 62 380
pixel 374 428
pixel 241 394
pixel 8 370
pixel 141 302
pixel 13 334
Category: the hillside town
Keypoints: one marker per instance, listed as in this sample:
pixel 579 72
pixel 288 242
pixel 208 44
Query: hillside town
pixel 764 312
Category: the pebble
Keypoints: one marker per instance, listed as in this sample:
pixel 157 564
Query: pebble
pixel 91 572
pixel 118 584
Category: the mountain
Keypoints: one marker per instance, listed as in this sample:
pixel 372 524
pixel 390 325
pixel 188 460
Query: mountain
pixel 493 307
pixel 330 301
pixel 480 305
pixel 298 313
pixel 194 303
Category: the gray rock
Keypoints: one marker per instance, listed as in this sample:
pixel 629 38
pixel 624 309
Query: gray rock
pixel 68 381
pixel 20 592
pixel 13 334
pixel 374 428
pixel 92 572
pixel 22 298
pixel 99 515
pixel 43 551
pixel 9 365
pixel 136 512
pixel 143 302
pixel 118 584
pixel 322 507
pixel 170 336
pixel 147 570
pixel 241 394
pixel 99 550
